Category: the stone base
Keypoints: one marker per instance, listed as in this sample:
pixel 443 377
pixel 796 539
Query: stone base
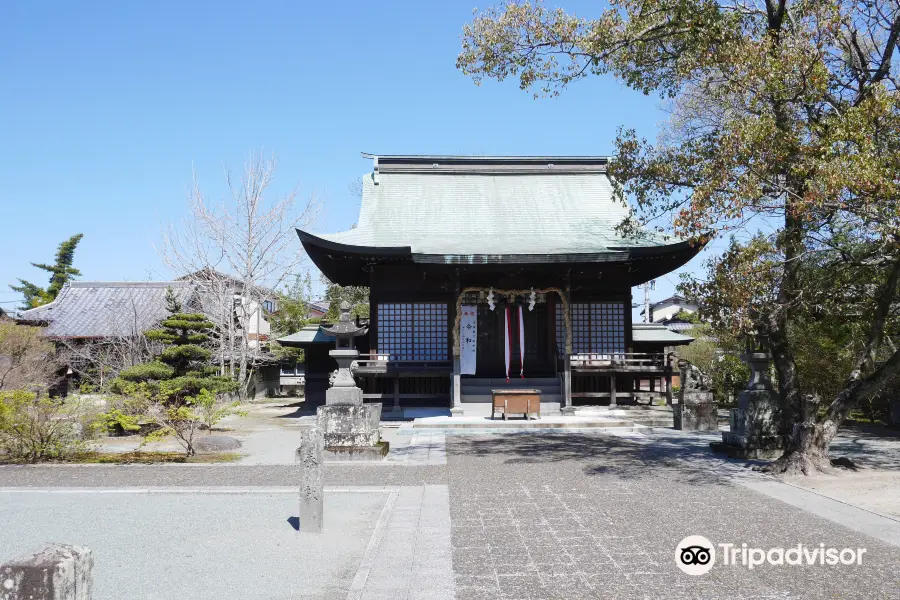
pixel 744 452
pixel 696 417
pixel 356 453
pixel 58 572
pixel 345 396
pixel 456 411
pixel 567 410
pixel 349 425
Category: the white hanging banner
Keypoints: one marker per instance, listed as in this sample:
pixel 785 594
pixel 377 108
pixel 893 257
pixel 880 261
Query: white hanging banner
pixel 468 339
pixel 507 347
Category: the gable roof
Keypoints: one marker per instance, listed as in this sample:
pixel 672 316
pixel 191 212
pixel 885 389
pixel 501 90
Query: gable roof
pixel 675 300
pixel 482 210
pixel 92 309
pixel 310 334
pixel 321 306
pixel 658 334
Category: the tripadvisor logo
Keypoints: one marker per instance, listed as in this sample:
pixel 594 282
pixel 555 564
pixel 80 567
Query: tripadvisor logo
pixel 696 555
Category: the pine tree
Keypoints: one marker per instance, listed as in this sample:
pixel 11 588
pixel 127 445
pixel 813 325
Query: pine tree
pixel 183 367
pixel 61 272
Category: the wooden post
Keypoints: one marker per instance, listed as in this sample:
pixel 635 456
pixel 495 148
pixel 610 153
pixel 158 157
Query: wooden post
pixel 567 383
pixel 669 379
pixel 456 389
pixel 396 408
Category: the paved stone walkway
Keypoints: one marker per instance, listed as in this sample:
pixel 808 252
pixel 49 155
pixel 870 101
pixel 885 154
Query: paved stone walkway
pixel 593 516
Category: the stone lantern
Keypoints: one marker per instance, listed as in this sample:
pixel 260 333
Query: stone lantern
pixel 343 388
pixel 349 426
pixel 754 424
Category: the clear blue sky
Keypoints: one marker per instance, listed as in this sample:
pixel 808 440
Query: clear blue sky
pixel 105 108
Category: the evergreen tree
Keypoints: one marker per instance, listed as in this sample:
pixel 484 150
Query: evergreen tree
pixel 178 390
pixel 183 368
pixel 61 272
pixel 356 295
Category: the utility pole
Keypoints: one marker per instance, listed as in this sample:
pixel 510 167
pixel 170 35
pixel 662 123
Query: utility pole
pixel 650 285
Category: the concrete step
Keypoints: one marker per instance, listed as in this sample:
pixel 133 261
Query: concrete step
pixel 519 423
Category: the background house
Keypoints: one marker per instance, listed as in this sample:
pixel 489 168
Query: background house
pixel 98 327
pixel 664 312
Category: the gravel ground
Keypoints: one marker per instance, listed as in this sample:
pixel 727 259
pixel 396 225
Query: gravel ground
pixel 205 547
pixel 199 475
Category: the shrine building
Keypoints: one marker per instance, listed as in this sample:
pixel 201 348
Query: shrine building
pixel 493 272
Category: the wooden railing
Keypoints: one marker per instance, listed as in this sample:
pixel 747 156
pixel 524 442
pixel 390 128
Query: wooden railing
pixel 382 362
pixel 385 378
pixel 625 361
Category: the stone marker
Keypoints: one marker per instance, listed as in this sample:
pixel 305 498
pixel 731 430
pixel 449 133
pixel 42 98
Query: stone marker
pixel 312 491
pixel 58 572
pixel 696 409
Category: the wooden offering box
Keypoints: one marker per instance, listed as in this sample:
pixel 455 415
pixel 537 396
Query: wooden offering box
pixel 524 402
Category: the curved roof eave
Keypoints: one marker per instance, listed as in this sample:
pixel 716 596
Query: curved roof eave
pixel 314 240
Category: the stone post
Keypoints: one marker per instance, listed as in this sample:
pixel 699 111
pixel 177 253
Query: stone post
pixel 696 409
pixel 312 490
pixel 58 572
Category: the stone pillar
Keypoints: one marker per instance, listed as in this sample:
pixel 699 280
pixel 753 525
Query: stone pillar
pixel 58 572
pixel 312 490
pixel 612 389
pixel 696 409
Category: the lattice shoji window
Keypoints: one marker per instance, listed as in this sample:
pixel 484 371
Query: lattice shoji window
pixel 597 328
pixel 413 331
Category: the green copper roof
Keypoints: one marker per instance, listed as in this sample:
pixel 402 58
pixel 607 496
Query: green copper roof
pixel 461 206
pixel 310 334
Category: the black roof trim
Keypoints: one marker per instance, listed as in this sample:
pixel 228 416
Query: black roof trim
pixel 489 165
pixel 308 238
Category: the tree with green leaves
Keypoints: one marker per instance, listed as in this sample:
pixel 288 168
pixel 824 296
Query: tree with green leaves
pixel 355 295
pixel 61 272
pixel 292 315
pixel 784 132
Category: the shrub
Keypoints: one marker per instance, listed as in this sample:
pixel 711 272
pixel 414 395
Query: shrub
pixel 36 428
pixel 147 371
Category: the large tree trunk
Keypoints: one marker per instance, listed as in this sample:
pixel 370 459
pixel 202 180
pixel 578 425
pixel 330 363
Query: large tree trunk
pixel 807 446
pixel 806 452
